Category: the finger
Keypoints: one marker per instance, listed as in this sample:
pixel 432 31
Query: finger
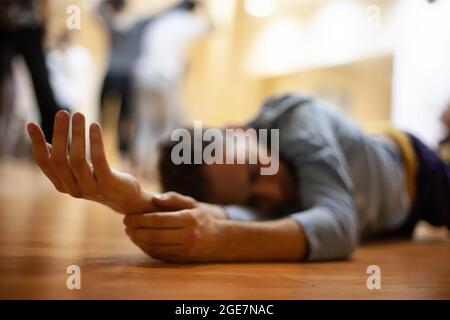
pixel 101 168
pixel 77 159
pixel 58 157
pixel 158 236
pixel 174 201
pixel 41 153
pixel 160 220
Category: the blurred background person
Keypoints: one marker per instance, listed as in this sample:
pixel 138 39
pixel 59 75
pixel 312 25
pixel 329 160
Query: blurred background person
pixel 6 100
pixel 68 64
pixel 22 30
pixel 160 71
pixel 125 35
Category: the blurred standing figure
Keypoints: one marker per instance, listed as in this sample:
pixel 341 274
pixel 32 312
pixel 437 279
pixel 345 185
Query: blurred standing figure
pixel 125 41
pixel 22 29
pixel 444 145
pixel 159 73
pixel 6 99
pixel 68 65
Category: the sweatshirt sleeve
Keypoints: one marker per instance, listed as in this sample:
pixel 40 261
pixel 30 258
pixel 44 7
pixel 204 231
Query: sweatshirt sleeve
pixel 329 218
pixel 241 213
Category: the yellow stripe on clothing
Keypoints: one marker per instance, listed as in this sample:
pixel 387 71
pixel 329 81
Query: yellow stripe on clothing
pixel 406 148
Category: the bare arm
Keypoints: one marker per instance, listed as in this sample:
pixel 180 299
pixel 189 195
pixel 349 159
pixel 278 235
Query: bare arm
pixel 195 232
pixel 277 240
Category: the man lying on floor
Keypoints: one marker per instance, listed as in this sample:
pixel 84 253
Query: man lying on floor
pixel 335 187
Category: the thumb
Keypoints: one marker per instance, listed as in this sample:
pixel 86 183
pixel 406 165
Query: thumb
pixel 174 201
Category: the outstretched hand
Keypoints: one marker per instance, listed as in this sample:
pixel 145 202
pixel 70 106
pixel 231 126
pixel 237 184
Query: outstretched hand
pixel 183 231
pixel 71 173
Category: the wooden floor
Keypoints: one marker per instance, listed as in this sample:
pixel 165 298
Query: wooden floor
pixel 42 233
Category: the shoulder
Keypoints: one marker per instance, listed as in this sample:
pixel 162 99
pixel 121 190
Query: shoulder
pixel 281 109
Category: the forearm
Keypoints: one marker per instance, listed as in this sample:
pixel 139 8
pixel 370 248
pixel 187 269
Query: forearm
pixel 276 240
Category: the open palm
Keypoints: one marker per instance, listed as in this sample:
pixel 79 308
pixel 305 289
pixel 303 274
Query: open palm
pixel 71 173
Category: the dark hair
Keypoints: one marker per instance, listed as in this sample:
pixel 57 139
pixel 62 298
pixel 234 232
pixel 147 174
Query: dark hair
pixel 187 179
pixel 117 5
pixel 189 5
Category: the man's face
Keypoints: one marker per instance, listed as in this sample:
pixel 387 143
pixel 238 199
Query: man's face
pixel 243 184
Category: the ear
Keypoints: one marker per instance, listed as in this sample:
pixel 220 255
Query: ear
pixel 174 201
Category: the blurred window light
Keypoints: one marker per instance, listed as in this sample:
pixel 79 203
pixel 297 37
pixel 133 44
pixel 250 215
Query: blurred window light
pixel 421 76
pixel 221 12
pixel 278 48
pixel 260 8
pixel 338 32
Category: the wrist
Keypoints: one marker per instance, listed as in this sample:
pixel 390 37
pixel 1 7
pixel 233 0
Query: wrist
pixel 142 204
